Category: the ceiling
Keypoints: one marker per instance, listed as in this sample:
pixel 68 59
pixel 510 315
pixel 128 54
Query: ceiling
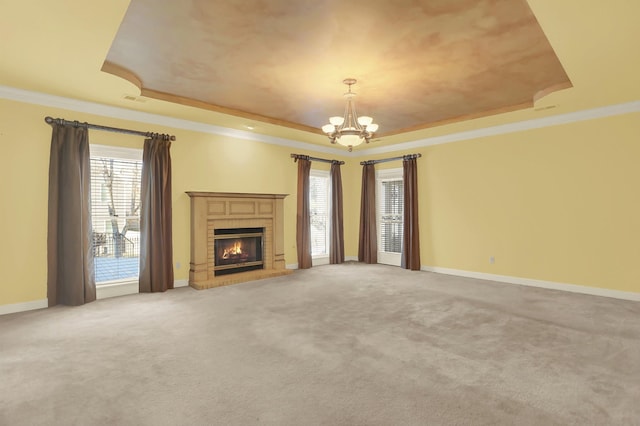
pixel 424 67
pixel 418 62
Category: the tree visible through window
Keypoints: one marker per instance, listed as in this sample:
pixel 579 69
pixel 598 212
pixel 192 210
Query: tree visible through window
pixel 115 212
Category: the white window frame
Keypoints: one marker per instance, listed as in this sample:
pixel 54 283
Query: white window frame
pixel 323 259
pixel 387 258
pixel 118 152
pixel 127 285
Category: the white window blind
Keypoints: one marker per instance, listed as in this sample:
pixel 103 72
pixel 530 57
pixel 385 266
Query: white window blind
pixel 319 211
pixel 391 205
pixel 115 216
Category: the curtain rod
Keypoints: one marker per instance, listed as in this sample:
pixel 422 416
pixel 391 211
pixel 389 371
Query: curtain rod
pixel 384 160
pixel 297 157
pixel 62 121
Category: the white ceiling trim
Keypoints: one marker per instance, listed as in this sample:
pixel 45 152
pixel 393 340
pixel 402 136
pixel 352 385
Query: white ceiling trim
pixel 520 126
pixel 53 101
pixel 44 99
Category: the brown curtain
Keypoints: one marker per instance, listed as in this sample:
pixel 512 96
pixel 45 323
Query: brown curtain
pixel 70 273
pixel 303 220
pixel 336 246
pixel 368 241
pixel 411 233
pixel 156 241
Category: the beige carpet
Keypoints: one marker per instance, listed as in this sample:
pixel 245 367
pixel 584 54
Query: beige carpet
pixel 335 345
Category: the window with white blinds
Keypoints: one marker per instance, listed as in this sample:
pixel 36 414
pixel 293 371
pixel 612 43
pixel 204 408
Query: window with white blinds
pixel 115 212
pixel 390 211
pixel 319 211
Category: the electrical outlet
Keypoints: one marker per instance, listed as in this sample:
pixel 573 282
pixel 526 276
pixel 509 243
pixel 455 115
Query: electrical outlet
pixel 492 260
pixel 177 265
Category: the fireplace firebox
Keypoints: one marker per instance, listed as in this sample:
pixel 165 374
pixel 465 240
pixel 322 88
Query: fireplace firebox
pixel 238 250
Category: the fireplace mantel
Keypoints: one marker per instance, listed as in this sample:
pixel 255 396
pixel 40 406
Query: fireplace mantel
pixel 217 210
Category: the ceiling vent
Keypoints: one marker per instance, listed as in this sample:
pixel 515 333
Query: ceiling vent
pixel 134 98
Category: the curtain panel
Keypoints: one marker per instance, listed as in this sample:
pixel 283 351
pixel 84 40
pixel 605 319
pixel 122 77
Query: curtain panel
pixel 336 246
pixel 156 240
pixel 411 232
pixel 368 241
pixel 303 217
pixel 70 268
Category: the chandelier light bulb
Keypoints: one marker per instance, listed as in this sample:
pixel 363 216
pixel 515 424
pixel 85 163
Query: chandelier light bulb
pixel 364 120
pixel 336 121
pixel 350 140
pixel 328 128
pixel 371 128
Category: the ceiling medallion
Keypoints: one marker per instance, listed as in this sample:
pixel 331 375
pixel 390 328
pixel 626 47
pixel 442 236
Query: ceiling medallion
pixel 350 130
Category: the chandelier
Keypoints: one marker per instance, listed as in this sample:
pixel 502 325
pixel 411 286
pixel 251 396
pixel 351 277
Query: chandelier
pixel 350 130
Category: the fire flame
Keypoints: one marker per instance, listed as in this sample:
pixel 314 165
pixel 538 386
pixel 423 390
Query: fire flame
pixel 233 251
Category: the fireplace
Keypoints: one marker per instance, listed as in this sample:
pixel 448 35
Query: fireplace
pixel 237 250
pixel 235 237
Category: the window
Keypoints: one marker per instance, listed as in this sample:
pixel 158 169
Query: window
pixel 319 187
pixel 390 215
pixel 115 212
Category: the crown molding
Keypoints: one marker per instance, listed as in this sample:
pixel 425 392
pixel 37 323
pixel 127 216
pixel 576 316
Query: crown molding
pixel 44 99
pixel 536 123
pixel 38 98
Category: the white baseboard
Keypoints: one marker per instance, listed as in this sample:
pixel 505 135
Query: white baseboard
pixel 131 287
pixel 117 289
pixel 319 261
pixel 24 306
pixel 180 283
pixel 322 261
pixel 127 287
pixel 574 288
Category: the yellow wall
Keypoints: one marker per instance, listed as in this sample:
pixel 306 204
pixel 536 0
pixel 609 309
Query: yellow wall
pixel 200 162
pixel 559 203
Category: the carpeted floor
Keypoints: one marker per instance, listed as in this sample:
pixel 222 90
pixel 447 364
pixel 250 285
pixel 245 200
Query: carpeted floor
pixel 345 344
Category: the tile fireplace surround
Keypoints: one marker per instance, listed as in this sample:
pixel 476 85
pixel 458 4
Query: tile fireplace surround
pixel 221 210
